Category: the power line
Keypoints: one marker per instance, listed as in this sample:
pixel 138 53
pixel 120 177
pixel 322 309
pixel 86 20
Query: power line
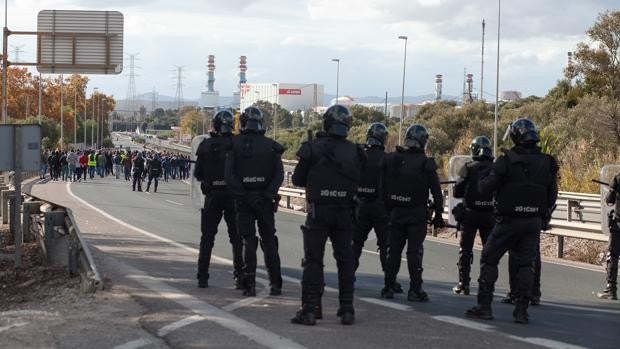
pixel 131 99
pixel 178 96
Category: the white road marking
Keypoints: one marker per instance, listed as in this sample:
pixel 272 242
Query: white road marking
pixel 27 313
pixel 387 304
pixel 465 323
pixel 164 331
pixel 210 312
pixel 447 319
pixel 138 343
pixel 147 193
pixel 175 203
pixel 19 324
pixel 576 307
pixel 264 293
pixel 547 343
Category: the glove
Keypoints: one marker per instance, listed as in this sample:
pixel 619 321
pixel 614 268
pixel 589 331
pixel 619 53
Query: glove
pixel 438 221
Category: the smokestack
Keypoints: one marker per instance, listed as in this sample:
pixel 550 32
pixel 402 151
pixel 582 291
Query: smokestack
pixel 211 73
pixel 438 84
pixel 470 86
pixel 242 69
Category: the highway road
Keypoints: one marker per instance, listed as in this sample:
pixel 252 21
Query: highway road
pixel 147 244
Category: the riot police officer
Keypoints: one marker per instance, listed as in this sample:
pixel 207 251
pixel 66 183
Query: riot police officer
pixel 209 170
pixel 407 177
pixel 370 212
pixel 613 253
pixel 254 173
pixel 154 171
pixel 525 182
pixel 475 213
pixel 138 168
pixel 329 169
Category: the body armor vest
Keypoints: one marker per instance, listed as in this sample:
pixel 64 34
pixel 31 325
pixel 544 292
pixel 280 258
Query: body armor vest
pixel 524 193
pixel 254 160
pixel 406 180
pixel 335 172
pixel 212 156
pixel 371 173
pixel 473 199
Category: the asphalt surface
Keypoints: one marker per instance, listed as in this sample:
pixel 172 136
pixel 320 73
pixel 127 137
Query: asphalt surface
pixel 161 275
pixel 147 243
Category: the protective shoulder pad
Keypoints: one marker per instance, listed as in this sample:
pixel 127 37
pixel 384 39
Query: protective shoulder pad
pixel 278 148
pixel 430 164
pixel 361 153
pixel 305 151
pixel 555 168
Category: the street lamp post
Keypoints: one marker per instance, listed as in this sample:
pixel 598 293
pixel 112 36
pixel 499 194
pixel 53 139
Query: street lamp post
pixel 92 124
pixel 337 60
pixel 275 117
pixel 62 116
pixel 402 97
pixel 499 11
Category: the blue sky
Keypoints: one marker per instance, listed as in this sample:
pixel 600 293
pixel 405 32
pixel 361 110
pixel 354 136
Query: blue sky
pixel 295 40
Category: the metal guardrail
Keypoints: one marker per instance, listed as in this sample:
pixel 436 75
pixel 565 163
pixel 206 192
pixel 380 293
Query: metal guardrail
pixel 569 219
pixel 561 229
pixel 55 228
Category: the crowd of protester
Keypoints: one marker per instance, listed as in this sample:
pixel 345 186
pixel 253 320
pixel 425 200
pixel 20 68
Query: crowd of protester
pixel 77 165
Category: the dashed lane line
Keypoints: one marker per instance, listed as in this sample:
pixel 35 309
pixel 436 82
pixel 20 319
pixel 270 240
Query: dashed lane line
pixel 8 327
pixel 448 319
pixel 210 312
pixel 391 305
pixel 264 293
pixel 547 343
pixel 483 327
pixel 164 331
pixel 465 323
pixel 138 343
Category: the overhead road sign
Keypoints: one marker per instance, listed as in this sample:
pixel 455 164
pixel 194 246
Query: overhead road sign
pixel 85 42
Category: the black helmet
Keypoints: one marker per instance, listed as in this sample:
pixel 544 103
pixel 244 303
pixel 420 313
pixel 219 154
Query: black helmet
pixel 376 134
pixel 524 131
pixel 251 119
pixel 223 122
pixel 337 120
pixel 481 146
pixel 416 136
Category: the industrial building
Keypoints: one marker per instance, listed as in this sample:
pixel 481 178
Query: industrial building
pixel 289 96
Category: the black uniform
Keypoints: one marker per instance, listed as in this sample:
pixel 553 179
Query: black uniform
pixel 210 165
pixel 477 215
pixel 613 253
pixel 525 183
pixel 154 171
pixel 138 168
pixel 329 169
pixel 370 212
pixel 254 173
pixel 407 177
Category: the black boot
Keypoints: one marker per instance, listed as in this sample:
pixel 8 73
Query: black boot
pixel 346 314
pixel 483 312
pixel 387 292
pixel 238 281
pixel 397 287
pixel 276 288
pixel 610 292
pixel 203 281
pixel 305 316
pixel 520 315
pixel 249 285
pixel 509 299
pixel 483 309
pixel 417 295
pixel 461 288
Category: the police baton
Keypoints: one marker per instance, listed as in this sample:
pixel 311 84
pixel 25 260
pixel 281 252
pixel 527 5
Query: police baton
pixel 600 182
